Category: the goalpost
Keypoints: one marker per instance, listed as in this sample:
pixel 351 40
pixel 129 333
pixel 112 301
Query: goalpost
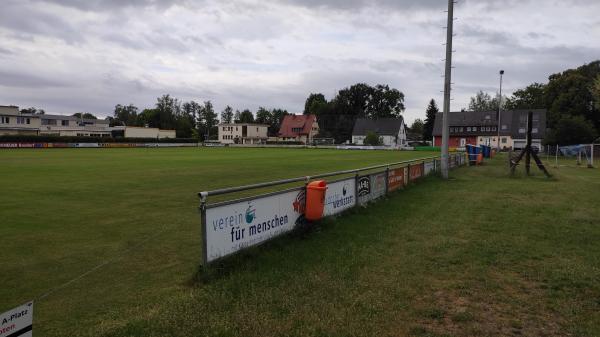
pixel 581 154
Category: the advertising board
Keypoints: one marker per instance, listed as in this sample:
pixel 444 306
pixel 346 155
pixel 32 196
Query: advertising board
pixel 428 167
pixel 396 178
pixel 339 196
pixel 371 187
pixel 234 226
pixel 416 171
pixel 17 322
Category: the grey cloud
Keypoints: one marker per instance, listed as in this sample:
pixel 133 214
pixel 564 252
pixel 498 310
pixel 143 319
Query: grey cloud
pixel 21 79
pixel 107 5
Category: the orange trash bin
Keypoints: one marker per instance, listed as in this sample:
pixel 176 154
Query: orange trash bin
pixel 315 199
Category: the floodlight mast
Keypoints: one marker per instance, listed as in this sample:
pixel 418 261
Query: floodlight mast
pixel 447 83
pixel 499 109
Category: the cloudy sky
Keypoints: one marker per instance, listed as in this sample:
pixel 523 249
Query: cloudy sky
pixel 67 56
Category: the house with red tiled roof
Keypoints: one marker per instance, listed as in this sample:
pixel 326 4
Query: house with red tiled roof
pixel 299 128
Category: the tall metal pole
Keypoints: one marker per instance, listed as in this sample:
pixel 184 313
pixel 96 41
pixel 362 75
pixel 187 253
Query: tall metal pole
pixel 499 109
pixel 447 83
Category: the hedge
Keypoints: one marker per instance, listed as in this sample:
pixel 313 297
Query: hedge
pixel 69 139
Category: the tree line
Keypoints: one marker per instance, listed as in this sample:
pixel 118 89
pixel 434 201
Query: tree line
pixel 336 117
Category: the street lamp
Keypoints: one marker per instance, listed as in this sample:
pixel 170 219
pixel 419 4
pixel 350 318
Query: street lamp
pixel 499 108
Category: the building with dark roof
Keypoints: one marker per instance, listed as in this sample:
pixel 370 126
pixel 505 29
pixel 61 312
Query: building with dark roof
pixel 300 128
pixel 391 130
pixel 481 128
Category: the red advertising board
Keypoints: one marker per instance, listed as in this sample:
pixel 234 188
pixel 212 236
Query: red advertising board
pixel 396 178
pixel 416 171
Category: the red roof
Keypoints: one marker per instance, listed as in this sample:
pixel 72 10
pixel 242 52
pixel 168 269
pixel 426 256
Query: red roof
pixel 295 125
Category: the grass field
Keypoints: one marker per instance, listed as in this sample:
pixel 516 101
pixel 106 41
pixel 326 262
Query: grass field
pixel 480 255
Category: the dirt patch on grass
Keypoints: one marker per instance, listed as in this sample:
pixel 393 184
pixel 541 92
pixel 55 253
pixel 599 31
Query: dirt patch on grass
pixel 498 304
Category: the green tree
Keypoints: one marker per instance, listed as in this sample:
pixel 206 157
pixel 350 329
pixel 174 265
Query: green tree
pixel 572 130
pixel 246 116
pixel 33 110
pixel 384 102
pixel 314 104
pixel 263 116
pixel 209 120
pixel 84 115
pixel 373 139
pixel 482 101
pixel 276 119
pixel 227 115
pixel 125 115
pixel 237 117
pixel 430 113
pixel 168 108
pixel 530 97
pixel 416 129
pixel 596 92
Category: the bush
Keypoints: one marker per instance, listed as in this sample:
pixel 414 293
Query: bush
pixel 372 139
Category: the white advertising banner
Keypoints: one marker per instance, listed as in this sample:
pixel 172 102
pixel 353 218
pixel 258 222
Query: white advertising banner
pixel 339 196
pixel 428 167
pixel 17 322
pixel 232 227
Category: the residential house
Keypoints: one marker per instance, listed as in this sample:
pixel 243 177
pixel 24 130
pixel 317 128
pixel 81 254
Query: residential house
pixel 481 128
pixel 391 130
pixel 299 128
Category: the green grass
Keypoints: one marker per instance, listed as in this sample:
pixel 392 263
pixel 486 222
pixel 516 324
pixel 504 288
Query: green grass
pixel 483 254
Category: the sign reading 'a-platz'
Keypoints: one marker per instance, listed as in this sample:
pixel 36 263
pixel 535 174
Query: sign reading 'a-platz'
pixel 371 187
pixel 17 322
pixel 235 226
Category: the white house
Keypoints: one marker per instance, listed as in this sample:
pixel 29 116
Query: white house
pixel 391 130
pixel 243 133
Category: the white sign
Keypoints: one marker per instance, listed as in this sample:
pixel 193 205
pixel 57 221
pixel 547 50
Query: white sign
pixel 17 322
pixel 371 187
pixel 339 196
pixel 230 228
pixel 428 167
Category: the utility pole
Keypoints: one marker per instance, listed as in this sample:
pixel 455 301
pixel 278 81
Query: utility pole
pixel 499 109
pixel 447 84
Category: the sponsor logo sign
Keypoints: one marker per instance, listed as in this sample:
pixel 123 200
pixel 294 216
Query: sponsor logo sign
pixel 371 187
pixel 232 227
pixel 339 196
pixel 416 171
pixel 9 145
pixel 17 322
pixel 396 178
pixel 428 167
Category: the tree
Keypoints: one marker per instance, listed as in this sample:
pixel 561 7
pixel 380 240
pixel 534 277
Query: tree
pixel 209 119
pixel 246 116
pixel 33 110
pixel 84 115
pixel 430 113
pixel 482 101
pixel 276 119
pixel 596 92
pixel 373 139
pixel 227 115
pixel 168 108
pixel 530 97
pixel 384 102
pixel 237 117
pixel 186 123
pixel 125 115
pixel 416 129
pixel 572 130
pixel 314 104
pixel 263 116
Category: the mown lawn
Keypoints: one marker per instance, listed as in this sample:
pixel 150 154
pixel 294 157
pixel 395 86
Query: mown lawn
pixel 65 211
pixel 482 254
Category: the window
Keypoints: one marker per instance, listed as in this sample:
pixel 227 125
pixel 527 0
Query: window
pixel 474 128
pixel 504 140
pixel 535 117
pixel 48 121
pixel 534 130
pixel 494 128
pixel 256 129
pixel 64 123
pixel 20 120
pixel 504 127
pixel 521 130
pixel 28 121
pixel 296 129
pixel 468 129
pixel 461 129
pixel 5 120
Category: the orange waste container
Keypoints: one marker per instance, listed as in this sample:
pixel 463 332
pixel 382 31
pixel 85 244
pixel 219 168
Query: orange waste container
pixel 480 158
pixel 315 199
